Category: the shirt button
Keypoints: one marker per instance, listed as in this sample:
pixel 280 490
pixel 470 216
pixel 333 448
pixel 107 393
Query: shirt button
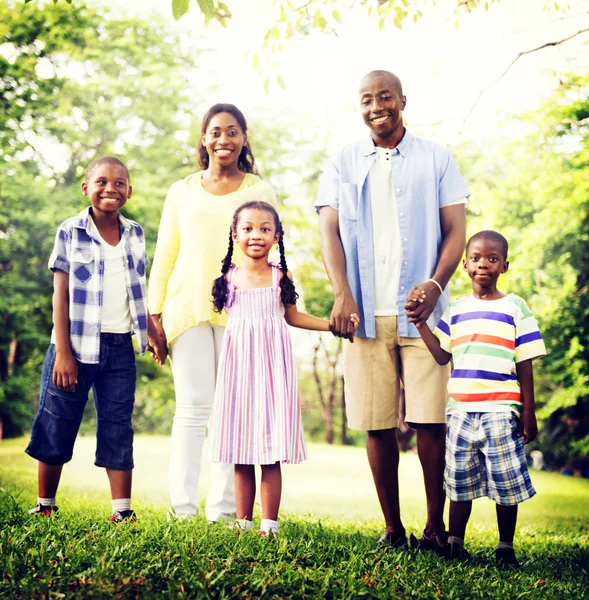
pixel 402 214
pixel 404 262
pixel 402 287
pixel 404 239
pixel 398 190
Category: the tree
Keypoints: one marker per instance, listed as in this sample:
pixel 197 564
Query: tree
pixel 535 191
pixel 76 85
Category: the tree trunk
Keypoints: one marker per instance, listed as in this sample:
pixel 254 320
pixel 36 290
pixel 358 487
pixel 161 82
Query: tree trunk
pixel 344 430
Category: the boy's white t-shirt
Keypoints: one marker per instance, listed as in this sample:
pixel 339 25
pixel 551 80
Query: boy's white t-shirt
pixel 116 315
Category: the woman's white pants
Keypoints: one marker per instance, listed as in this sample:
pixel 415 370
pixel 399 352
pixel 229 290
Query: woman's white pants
pixel 195 356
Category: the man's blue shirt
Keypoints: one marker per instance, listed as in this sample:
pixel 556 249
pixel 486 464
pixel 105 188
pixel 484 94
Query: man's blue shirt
pixel 425 179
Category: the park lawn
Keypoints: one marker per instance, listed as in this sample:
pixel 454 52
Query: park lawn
pixel 330 520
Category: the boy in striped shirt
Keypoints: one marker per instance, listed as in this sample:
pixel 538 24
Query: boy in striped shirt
pixel 492 339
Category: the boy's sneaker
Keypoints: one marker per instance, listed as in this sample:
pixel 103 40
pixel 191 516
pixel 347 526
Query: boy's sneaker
pixel 123 515
pixel 505 558
pixel 44 510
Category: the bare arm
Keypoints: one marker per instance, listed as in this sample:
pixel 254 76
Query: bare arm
pixel 525 377
pixel 304 320
pixel 65 371
pixel 334 260
pixel 453 223
pixel 433 344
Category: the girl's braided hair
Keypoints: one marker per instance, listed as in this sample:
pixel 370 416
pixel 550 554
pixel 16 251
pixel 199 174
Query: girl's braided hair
pixel 288 294
pixel 245 162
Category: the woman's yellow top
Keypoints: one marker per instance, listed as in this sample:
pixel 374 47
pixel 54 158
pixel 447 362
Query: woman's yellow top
pixel 192 241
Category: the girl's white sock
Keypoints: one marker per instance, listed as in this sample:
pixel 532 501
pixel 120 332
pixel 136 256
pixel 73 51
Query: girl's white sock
pixel 268 525
pixel 501 545
pixel 46 501
pixel 452 539
pixel 121 504
pixel 243 524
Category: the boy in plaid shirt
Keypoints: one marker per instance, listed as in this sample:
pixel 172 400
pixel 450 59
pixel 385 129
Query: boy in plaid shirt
pixel 492 339
pixel 99 264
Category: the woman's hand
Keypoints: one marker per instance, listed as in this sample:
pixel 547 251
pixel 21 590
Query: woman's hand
pixel 156 338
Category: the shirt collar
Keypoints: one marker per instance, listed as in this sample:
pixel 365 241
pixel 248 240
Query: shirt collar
pixel 368 147
pixel 83 221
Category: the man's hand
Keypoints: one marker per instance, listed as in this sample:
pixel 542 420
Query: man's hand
pixel 421 301
pixel 65 371
pixel 341 324
pixel 528 426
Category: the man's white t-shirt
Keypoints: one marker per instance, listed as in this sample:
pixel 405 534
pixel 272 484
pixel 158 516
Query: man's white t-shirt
pixel 388 251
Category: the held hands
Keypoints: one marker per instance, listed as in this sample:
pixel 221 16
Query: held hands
pixel 157 343
pixel 65 371
pixel 421 302
pixel 344 317
pixel 528 427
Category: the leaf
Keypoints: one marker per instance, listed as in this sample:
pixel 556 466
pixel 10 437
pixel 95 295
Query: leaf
pixel 256 60
pixel 280 82
pixel 179 8
pixel 207 8
pixel 267 86
pixel 335 15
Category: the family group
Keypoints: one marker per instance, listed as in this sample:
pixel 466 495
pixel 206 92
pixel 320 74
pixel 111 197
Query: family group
pixel 392 220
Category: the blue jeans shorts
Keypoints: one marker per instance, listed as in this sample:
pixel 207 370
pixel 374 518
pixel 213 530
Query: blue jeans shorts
pixel 485 457
pixel 60 413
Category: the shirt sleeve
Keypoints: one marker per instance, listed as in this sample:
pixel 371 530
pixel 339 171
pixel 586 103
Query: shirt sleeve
pixel 528 340
pixel 329 187
pixel 442 331
pixel 452 185
pixel 59 259
pixel 166 251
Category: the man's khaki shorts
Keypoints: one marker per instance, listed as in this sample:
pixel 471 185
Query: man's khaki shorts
pixel 374 370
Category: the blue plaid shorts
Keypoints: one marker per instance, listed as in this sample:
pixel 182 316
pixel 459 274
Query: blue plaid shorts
pixel 485 457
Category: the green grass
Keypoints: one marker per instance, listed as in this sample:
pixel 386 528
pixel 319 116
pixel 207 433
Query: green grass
pixel 326 549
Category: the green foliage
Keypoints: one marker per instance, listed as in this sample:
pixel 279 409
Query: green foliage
pixel 77 85
pixel 535 191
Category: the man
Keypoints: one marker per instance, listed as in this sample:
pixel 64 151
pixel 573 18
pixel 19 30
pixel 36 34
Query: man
pixel 392 222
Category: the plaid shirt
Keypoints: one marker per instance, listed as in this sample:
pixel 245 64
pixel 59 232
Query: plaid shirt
pixel 80 255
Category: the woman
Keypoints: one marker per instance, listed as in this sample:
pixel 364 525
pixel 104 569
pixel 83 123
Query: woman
pixel 192 240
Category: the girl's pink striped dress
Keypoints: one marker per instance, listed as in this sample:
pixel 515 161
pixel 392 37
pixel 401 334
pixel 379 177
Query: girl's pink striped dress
pixel 256 417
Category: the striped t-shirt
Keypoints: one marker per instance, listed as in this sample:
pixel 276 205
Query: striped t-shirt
pixel 486 339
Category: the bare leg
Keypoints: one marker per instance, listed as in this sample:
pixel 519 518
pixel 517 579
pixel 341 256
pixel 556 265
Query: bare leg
pixel 383 457
pixel 271 491
pixel 120 483
pixel 48 477
pixel 506 520
pixel 245 491
pixel 431 445
pixel 459 515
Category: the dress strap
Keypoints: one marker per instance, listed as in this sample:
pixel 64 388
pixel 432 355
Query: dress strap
pixel 232 269
pixel 276 273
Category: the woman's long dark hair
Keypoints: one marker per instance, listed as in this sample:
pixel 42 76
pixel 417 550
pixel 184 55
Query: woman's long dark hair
pixel 288 294
pixel 245 162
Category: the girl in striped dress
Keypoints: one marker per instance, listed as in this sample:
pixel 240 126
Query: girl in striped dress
pixel 256 418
